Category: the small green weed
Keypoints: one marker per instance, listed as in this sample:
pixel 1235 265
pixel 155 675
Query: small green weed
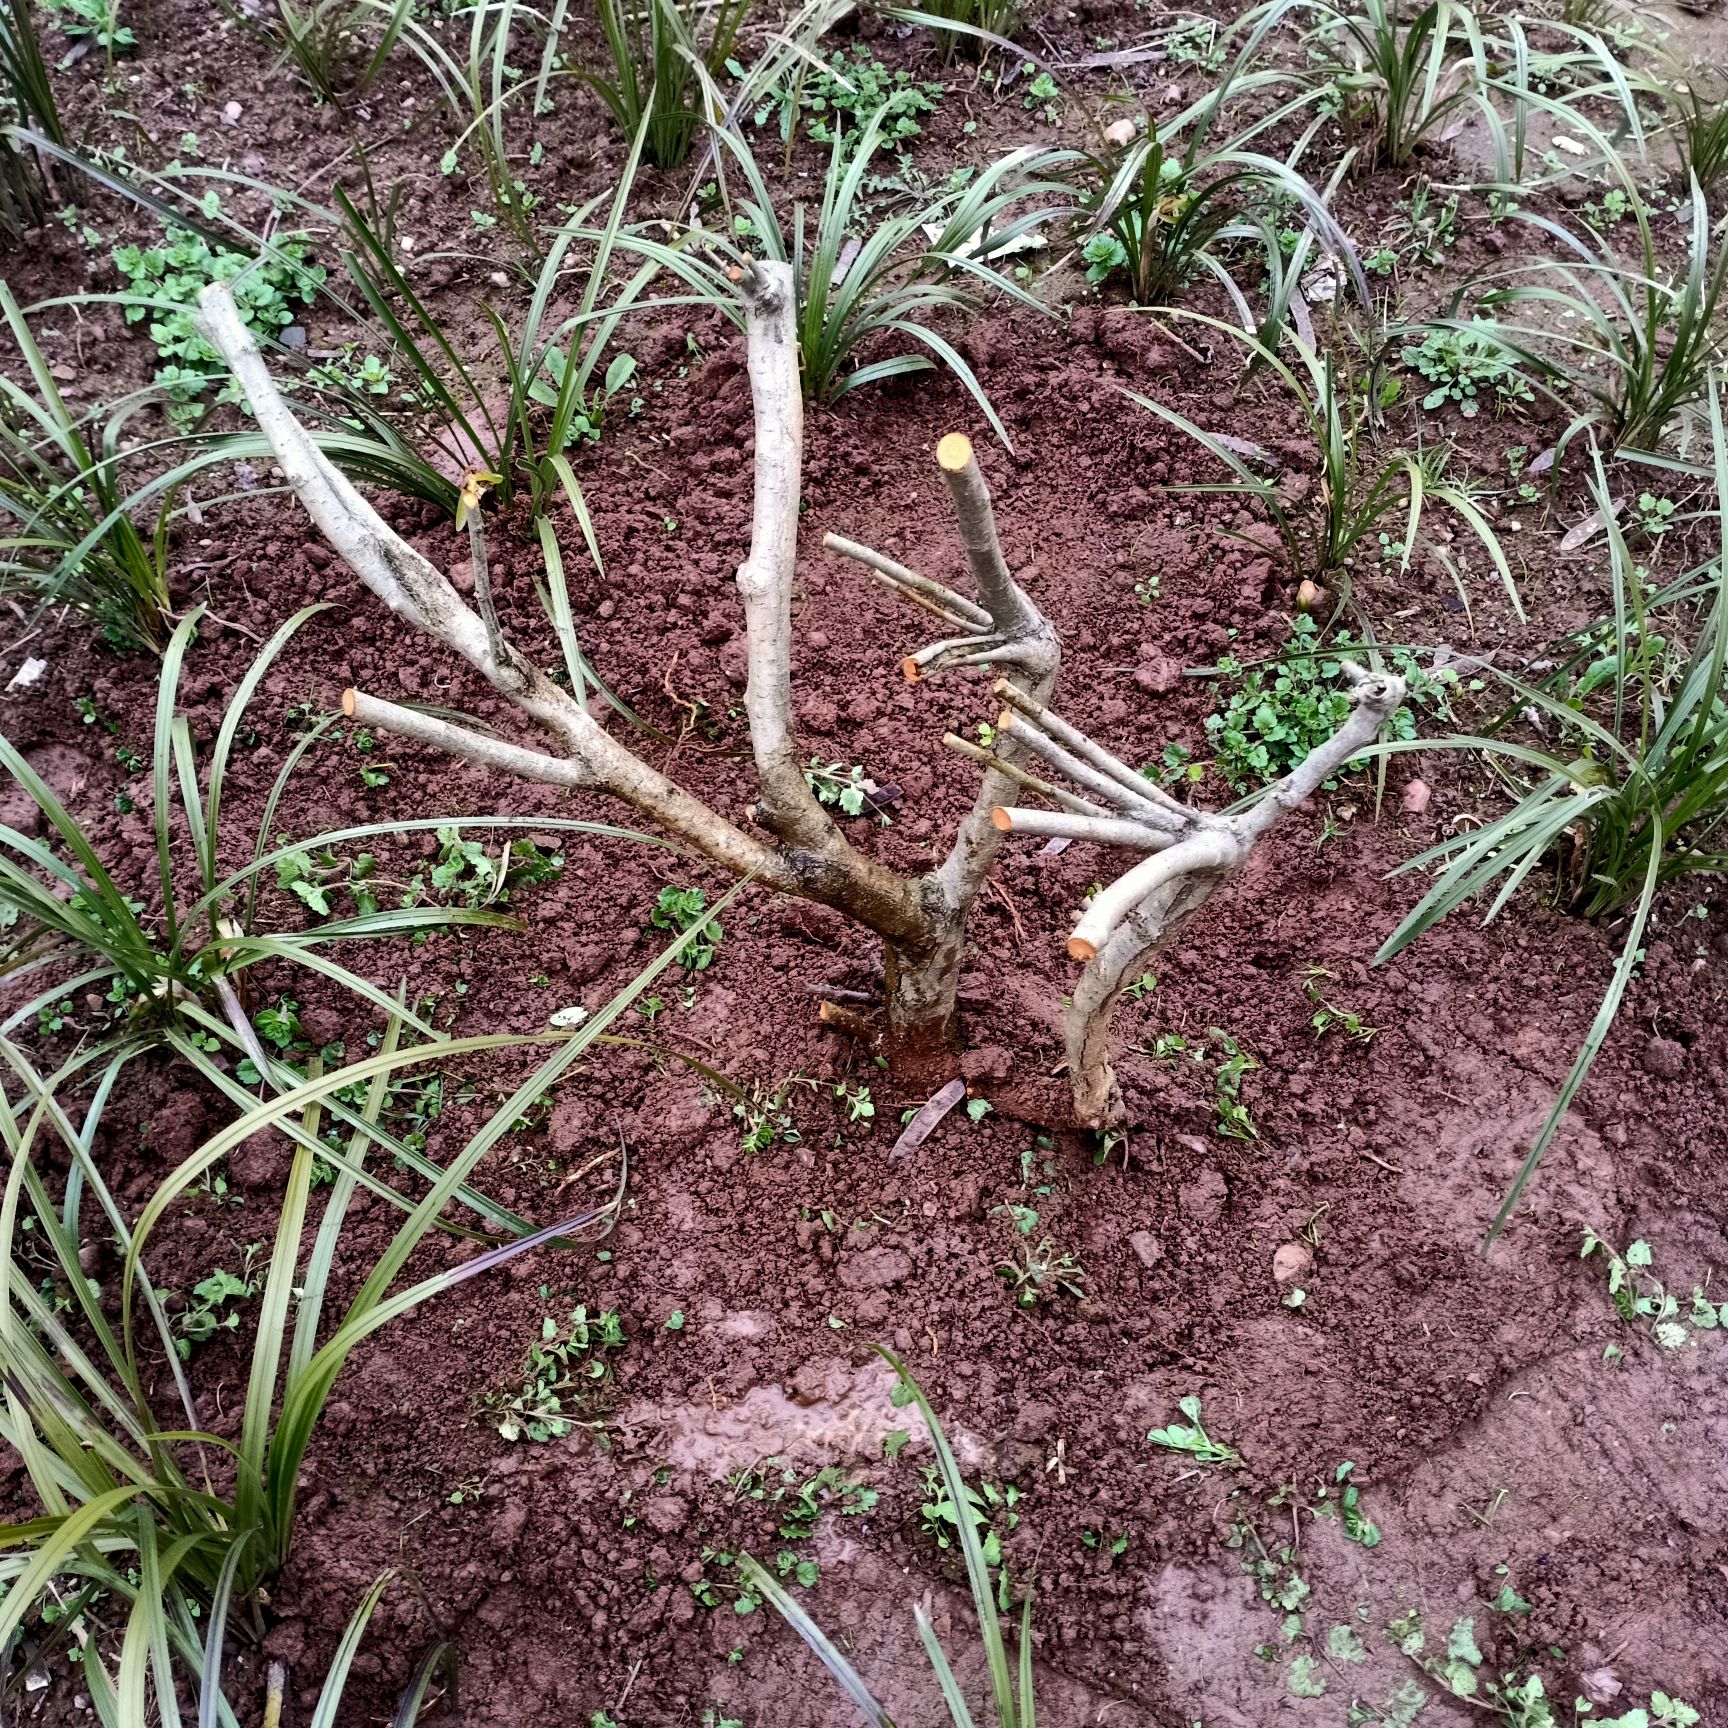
pixel 1328 1016
pixel 1039 1274
pixel 315 878
pixel 766 1117
pixel 842 96
pixel 560 1369
pixel 1191 1437
pixel 1638 1295
pixel 1276 713
pixel 1043 98
pixel 1234 1122
pixel 843 786
pixel 207 1309
pixel 94 20
pixel 992 1511
pixel 860 1106
pixel 1655 515
pixel 1196 44
pixel 1357 1527
pixel 682 909
pixel 267 295
pixel 1466 365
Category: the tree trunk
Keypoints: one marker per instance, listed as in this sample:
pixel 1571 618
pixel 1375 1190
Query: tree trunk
pixel 920 986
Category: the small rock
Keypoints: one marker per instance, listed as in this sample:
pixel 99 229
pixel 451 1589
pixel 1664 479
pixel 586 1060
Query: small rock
pixel 1146 1248
pixel 27 674
pixel 1664 1058
pixel 498 279
pixel 1310 596
pixel 294 336
pixel 1416 796
pixel 1119 132
pixel 231 112
pixel 1292 1262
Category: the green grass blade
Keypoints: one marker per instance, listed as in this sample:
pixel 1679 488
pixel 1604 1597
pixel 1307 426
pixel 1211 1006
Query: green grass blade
pixel 793 1614
pixel 1630 952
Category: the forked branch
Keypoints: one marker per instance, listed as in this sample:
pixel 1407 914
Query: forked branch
pixel 921 919
pixel 1192 853
pixel 1006 630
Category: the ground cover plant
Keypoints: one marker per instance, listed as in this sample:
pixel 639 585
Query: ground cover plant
pixel 602 1119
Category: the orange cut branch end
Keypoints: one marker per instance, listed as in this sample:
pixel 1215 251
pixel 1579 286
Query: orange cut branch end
pixel 1080 948
pixel 954 452
pixel 349 699
pixel 910 667
pixel 1002 818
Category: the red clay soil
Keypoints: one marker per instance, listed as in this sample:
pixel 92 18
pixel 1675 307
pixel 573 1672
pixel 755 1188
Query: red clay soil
pixel 1493 1444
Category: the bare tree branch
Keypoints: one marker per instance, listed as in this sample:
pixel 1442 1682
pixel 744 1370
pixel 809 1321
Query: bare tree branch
pixel 476 747
pixel 1130 919
pixel 1064 824
pixel 408 583
pixel 950 607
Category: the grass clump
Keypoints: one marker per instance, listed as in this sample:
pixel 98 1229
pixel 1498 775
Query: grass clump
pixel 1396 73
pixel 67 536
pixel 894 274
pixel 1626 349
pixel 142 1504
pixel 1628 782
pixel 652 84
pixel 1360 486
pixel 968 24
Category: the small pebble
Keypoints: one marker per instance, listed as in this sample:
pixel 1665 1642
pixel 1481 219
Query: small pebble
pixel 1416 796
pixel 231 112
pixel 1292 1261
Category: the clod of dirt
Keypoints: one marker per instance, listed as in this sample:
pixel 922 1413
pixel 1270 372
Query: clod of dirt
pixel 875 1269
pixel 988 1062
pixel 1416 796
pixel 1157 674
pixel 1292 1262
pixel 1146 1248
pixel 1665 1058
pixel 1202 1200
pixel 667 1513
